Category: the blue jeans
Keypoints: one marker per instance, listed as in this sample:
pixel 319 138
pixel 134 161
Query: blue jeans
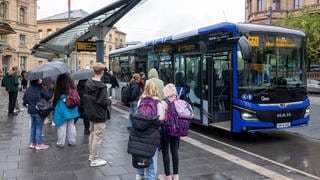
pixel 36 129
pixel 150 172
pixel 133 109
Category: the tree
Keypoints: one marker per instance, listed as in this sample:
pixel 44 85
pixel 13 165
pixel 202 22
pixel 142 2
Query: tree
pixel 308 19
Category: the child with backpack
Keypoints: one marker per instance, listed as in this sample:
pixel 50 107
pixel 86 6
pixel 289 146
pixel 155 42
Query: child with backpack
pixel 144 137
pixel 178 117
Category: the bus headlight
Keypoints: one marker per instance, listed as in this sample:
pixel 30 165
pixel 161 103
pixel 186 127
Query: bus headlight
pixel 307 113
pixel 248 116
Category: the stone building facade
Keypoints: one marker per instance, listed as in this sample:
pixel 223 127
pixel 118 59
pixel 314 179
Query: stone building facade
pixel 257 11
pixel 113 40
pixel 15 48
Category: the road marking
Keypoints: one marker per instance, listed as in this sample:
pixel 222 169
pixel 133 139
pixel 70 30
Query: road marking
pixel 259 169
pixel 256 155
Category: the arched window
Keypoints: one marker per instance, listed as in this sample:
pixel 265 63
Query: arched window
pixel 3 10
pixel 22 15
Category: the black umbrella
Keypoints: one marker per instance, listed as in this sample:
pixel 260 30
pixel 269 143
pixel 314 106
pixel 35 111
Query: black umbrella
pixel 50 69
pixel 82 74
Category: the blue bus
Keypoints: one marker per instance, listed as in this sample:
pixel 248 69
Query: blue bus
pixel 238 77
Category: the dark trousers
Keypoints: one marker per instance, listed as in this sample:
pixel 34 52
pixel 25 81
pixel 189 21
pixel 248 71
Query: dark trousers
pixel 12 101
pixel 173 142
pixel 86 124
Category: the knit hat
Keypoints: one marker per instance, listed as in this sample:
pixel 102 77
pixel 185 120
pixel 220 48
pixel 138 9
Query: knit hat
pixel 170 90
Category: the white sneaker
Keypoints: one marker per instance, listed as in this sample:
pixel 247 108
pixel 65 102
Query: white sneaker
pixel 139 177
pixel 98 162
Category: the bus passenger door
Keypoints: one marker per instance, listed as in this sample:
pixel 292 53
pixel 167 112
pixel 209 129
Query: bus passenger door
pixel 193 84
pixel 217 89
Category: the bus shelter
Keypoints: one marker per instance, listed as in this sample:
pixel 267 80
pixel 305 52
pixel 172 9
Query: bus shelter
pixel 96 24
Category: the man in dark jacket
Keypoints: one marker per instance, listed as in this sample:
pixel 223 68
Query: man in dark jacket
pixel 95 109
pixel 11 83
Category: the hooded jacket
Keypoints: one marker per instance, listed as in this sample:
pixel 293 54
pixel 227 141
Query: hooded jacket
pixel 11 81
pixel 33 95
pixel 154 77
pixel 96 101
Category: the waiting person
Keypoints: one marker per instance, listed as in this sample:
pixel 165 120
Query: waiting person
pixel 80 88
pixel 95 109
pixel 64 116
pixel 30 99
pixel 11 81
pixel 153 76
pixel 135 94
pixel 24 82
pixel 142 79
pixel 170 94
pixel 114 85
pixel 142 142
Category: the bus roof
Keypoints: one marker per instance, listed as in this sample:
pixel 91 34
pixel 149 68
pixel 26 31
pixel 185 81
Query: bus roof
pixel 234 28
pixel 246 27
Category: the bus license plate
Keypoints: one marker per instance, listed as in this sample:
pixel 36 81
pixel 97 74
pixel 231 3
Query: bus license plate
pixel 283 125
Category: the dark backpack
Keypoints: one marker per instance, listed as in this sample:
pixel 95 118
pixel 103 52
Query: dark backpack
pixel 175 125
pixel 126 94
pixel 73 98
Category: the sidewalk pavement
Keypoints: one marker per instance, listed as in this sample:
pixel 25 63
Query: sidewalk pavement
pixel 71 163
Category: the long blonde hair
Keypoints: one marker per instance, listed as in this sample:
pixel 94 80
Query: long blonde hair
pixel 150 89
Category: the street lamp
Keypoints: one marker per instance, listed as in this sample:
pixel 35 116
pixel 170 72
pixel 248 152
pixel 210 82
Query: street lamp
pixel 269 15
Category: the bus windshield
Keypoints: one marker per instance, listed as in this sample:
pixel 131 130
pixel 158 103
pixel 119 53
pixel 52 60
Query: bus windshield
pixel 277 60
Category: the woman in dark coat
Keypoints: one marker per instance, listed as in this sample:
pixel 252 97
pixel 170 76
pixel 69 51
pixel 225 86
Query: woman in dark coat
pixel 80 89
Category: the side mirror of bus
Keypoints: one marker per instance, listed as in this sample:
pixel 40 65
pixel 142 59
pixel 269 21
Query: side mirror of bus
pixel 245 48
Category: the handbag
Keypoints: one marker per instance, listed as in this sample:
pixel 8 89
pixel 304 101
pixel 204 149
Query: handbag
pixel 43 107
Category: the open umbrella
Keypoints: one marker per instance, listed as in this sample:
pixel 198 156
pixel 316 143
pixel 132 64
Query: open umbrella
pixel 50 69
pixel 82 74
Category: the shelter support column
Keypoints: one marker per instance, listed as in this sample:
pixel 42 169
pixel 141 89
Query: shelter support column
pixel 100 32
pixel 100 51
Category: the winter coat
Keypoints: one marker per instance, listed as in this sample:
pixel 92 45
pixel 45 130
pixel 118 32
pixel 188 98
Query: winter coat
pixel 114 82
pixel 32 96
pixel 135 91
pixel 96 101
pixel 154 77
pixel 63 113
pixel 80 88
pixel 144 136
pixel 11 81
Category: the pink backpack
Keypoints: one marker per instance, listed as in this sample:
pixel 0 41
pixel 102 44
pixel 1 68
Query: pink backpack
pixel 184 109
pixel 177 125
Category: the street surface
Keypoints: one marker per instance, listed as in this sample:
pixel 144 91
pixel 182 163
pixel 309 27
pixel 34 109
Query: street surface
pixel 206 154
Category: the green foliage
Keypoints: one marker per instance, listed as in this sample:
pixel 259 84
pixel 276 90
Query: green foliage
pixel 307 19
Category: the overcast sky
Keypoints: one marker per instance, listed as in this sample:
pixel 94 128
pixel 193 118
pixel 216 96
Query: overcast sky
pixel 157 18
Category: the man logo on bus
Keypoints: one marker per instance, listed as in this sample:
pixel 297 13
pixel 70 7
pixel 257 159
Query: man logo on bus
pixel 283 115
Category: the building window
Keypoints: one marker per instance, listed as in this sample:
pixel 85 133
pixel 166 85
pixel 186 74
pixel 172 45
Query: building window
pixel 110 48
pixel 22 62
pixel 22 39
pixel 261 4
pixel 49 31
pixel 110 37
pixel 3 10
pixel 276 5
pixel 249 6
pixel 40 34
pixel 3 39
pixel 22 15
pixel 298 4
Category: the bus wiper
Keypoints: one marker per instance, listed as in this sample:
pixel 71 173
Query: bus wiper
pixel 263 91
